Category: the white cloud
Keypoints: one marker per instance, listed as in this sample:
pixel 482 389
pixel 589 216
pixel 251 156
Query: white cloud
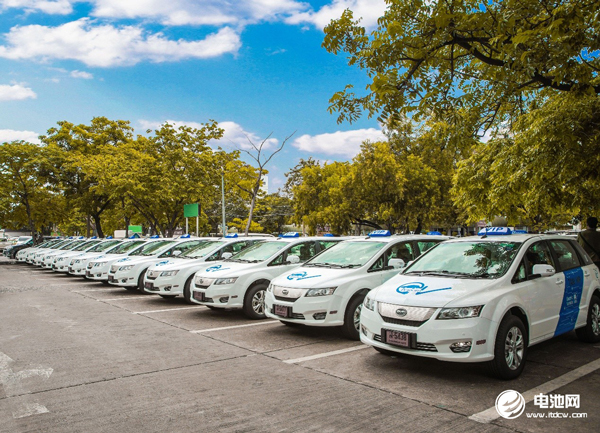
pixel 106 46
pixel 55 7
pixel 8 135
pixel 198 12
pixel 235 136
pixel 341 143
pixel 15 92
pixel 81 74
pixel 368 10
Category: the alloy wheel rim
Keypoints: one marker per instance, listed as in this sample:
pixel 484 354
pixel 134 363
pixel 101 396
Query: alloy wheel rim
pixel 258 302
pixel 356 317
pixel 514 347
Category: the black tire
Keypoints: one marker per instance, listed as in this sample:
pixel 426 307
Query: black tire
pixel 351 326
pixel 590 333
pixel 131 289
pixel 385 351
pixel 168 296
pixel 140 283
pixel 187 291
pixel 254 302
pixel 510 348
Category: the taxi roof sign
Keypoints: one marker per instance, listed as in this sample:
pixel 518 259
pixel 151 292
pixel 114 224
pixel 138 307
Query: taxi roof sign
pixel 231 235
pixel 434 233
pixel 185 236
pixel 495 231
pixel 290 235
pixel 380 233
pixel 154 237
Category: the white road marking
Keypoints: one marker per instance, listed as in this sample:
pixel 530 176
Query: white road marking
pixel 491 414
pixel 13 387
pixel 125 298
pixel 201 331
pixel 326 354
pixel 164 311
pixel 97 290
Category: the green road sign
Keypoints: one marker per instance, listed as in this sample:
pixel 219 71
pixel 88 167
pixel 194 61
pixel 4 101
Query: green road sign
pixel 135 229
pixel 190 210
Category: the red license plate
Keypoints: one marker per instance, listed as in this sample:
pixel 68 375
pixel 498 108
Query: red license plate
pixel 70 269
pixel 398 338
pixel 198 296
pixel 111 278
pixel 149 285
pixel 88 274
pixel 281 310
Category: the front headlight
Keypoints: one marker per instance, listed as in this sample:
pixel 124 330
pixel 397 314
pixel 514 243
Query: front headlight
pixel 230 280
pixel 126 268
pixel 270 288
pixel 459 313
pixel 321 292
pixel 369 303
pixel 168 273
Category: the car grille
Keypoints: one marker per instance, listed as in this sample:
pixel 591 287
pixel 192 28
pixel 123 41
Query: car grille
pixel 281 298
pixel 297 316
pixel 413 316
pixel 426 347
pixel 287 293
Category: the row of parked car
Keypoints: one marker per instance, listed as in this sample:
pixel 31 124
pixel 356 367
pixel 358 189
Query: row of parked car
pixel 485 298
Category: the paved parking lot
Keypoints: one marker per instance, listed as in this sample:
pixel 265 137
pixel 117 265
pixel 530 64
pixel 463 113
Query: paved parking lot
pixel 81 356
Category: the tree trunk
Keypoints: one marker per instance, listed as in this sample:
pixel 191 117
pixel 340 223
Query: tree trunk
pixel 97 222
pixel 253 203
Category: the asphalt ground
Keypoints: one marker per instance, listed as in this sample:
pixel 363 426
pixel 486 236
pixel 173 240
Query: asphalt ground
pixel 80 356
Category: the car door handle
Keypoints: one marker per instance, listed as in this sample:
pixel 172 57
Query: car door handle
pixel 586 274
pixel 558 282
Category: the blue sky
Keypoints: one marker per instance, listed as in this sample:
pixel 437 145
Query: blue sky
pixel 254 66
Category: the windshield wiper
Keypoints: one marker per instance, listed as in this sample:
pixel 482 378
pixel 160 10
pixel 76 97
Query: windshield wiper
pixel 353 265
pixel 440 273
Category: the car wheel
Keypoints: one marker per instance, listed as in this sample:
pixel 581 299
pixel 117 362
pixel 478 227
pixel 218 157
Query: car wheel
pixel 351 326
pixel 168 296
pixel 187 290
pixel 590 333
pixel 510 348
pixel 140 283
pixel 254 302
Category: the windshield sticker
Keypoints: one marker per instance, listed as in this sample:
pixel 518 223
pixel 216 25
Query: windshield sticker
pixel 301 276
pixel 417 288
pixel 216 268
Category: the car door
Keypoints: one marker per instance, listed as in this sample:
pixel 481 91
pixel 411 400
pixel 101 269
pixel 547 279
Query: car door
pixel 542 296
pixel 572 273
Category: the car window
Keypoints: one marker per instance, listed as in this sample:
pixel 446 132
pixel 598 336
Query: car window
pixel 566 255
pixel 183 247
pixel 521 274
pixel 585 258
pixel 538 254
pixel 425 245
pixel 404 251
pixel 304 251
pixel 323 245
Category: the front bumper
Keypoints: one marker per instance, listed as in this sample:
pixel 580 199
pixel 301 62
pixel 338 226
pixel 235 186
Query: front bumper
pixel 221 296
pixel 311 311
pixel 164 285
pixel 433 338
pixel 123 279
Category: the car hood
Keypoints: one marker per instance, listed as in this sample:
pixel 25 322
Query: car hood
pixel 181 264
pixel 308 277
pixel 430 291
pixel 227 268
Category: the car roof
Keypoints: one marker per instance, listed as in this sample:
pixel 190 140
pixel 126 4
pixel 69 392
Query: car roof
pixel 511 238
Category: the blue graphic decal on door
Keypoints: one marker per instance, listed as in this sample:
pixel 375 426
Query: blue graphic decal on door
pixel 571 300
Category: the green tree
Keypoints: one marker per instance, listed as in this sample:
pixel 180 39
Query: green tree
pixel 491 57
pixel 25 196
pixel 70 148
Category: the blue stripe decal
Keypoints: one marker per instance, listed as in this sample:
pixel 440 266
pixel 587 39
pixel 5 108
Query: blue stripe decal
pixel 571 300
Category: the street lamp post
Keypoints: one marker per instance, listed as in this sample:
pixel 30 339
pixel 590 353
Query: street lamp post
pixel 224 226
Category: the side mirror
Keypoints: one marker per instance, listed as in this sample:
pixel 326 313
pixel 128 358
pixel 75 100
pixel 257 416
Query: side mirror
pixel 176 252
pixel 397 263
pixel 543 270
pixel 291 259
pixel 226 255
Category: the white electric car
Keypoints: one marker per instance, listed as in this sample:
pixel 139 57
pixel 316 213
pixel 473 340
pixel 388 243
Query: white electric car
pixel 242 280
pixel 25 253
pixel 37 256
pixel 486 298
pixel 97 269
pixel 78 263
pixel 48 258
pixel 173 277
pixel 129 272
pixel 61 261
pixel 329 289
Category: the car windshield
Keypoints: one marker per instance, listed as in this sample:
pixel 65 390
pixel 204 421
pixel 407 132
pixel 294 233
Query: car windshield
pixel 259 252
pixel 152 248
pixel 125 247
pixel 70 245
pixel 477 259
pixel 103 246
pixel 23 238
pixel 349 254
pixel 201 250
pixel 85 245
